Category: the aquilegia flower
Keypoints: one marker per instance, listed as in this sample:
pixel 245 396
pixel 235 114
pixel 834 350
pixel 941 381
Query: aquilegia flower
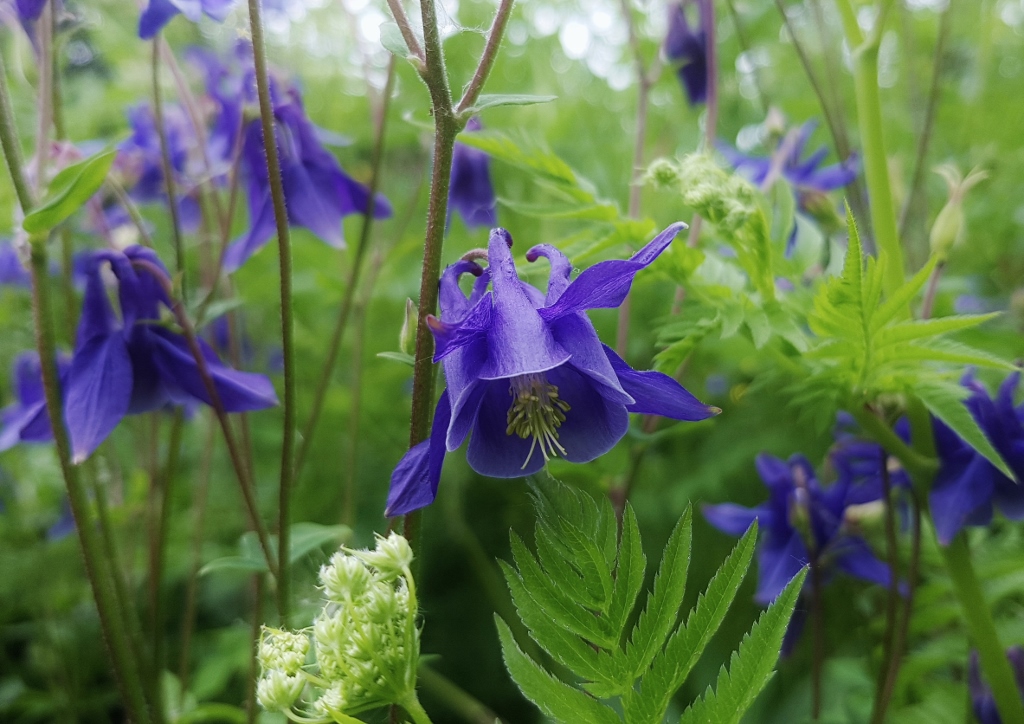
pixel 968 486
pixel 26 419
pixel 800 516
pixel 135 363
pixel 159 12
pixel 686 49
pixel 528 378
pixel 471 192
pixel 982 700
pixel 858 462
pixel 318 194
pixel 809 179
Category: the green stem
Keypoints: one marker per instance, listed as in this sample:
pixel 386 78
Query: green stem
pixel 465 705
pixel 975 608
pixel 869 118
pixel 413 707
pixel 168 169
pixel 259 51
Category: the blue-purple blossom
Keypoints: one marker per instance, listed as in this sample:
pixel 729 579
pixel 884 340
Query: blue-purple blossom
pixel 858 462
pixel 12 271
pixel 471 193
pixel 26 419
pixel 134 362
pixel 799 516
pixel 809 179
pixel 63 526
pixel 967 486
pixel 686 48
pixel 982 700
pixel 318 194
pixel 160 12
pixel 528 378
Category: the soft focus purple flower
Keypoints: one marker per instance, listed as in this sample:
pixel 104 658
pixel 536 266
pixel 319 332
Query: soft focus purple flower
pixel 12 271
pixel 967 486
pixel 26 419
pixel 982 699
pixel 471 192
pixel 687 49
pixel 318 194
pixel 159 12
pixel 798 511
pixel 858 462
pixel 809 179
pixel 134 363
pixel 63 526
pixel 528 378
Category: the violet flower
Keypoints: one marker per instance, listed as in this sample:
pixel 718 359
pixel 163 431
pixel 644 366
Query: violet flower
pixel 159 12
pixel 471 193
pixel 799 512
pixel 528 378
pixel 858 462
pixel 12 271
pixel 809 179
pixel 967 486
pixel 318 194
pixel 686 49
pixel 982 700
pixel 134 363
pixel 26 419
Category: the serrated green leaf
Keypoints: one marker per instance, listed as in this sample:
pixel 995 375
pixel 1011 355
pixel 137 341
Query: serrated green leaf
pixel 670 668
pixel 571 211
pixel 493 100
pixel 941 350
pixel 901 298
pixel 662 610
pixel 629 571
pixel 760 328
pixel 924 328
pixel 751 667
pixel 556 700
pixel 68 192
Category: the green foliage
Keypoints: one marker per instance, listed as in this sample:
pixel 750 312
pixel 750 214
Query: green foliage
pixel 68 192
pixel 576 596
pixel 305 538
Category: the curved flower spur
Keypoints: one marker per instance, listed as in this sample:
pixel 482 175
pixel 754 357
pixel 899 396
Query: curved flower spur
pixel 528 378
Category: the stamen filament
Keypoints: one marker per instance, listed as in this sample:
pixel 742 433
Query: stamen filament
pixel 536 412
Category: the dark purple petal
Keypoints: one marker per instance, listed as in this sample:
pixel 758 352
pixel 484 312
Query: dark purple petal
pixel 854 557
pixel 99 388
pixel 156 15
pixel 416 477
pixel 261 231
pixel 63 526
pixel 238 391
pixel 12 271
pixel 687 49
pixel 832 177
pixel 777 563
pixel 492 451
pixel 607 283
pixel 561 269
pixel 474 326
pixel 734 519
pixel 576 332
pixel 29 10
pixel 97 318
pixel 962 491
pixel 593 424
pixel 470 192
pixel 655 393
pixel 452 301
pixel 519 342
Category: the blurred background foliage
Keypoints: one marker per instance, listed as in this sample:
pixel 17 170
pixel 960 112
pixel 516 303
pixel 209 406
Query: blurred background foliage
pixel 52 666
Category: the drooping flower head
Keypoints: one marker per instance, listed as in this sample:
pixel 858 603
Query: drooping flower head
pixel 318 194
pixel 26 419
pixel 800 519
pixel 471 193
pixel 134 362
pixel 686 48
pixel 982 700
pixel 810 180
pixel 967 486
pixel 528 378
pixel 160 12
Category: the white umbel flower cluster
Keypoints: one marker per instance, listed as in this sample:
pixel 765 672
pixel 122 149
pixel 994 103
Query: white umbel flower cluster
pixel 363 647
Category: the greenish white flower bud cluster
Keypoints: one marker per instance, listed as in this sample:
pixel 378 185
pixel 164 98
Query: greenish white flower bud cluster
pixel 363 647
pixel 727 200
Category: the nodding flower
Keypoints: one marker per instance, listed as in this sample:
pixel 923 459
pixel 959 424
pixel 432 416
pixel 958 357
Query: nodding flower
pixel 471 193
pixel 528 378
pixel 686 48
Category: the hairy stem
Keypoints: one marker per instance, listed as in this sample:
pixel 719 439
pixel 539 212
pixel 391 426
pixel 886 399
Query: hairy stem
pixel 889 651
pixel 259 51
pixel 460 702
pixel 487 58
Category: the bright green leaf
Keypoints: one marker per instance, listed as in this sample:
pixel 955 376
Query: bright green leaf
pixel 68 192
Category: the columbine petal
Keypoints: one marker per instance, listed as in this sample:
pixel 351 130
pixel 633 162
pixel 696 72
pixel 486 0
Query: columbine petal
pixel 156 15
pixel 238 391
pixel 655 393
pixel 854 557
pixel 961 491
pixel 561 269
pixel 593 424
pixel 734 519
pixel 778 562
pixel 450 298
pixel 414 481
pixel 99 389
pixel 470 192
pixel 261 231
pixel 607 283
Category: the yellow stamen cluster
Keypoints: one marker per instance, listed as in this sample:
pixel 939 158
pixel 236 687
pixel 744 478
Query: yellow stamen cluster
pixel 536 412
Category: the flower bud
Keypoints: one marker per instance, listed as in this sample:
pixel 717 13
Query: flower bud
pixel 277 691
pixel 345 578
pixel 663 173
pixel 283 651
pixel 392 557
pixel 949 224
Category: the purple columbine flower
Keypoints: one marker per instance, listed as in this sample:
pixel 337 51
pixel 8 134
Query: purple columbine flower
pixel 528 378
pixel 858 462
pixel 809 179
pixel 967 486
pixel 799 516
pixel 686 49
pixel 135 363
pixel 982 699
pixel 318 194
pixel 159 12
pixel 26 419
pixel 471 192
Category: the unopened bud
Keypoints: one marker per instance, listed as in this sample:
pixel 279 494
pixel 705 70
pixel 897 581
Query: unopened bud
pixel 392 557
pixel 345 578
pixel 949 224
pixel 277 691
pixel 663 173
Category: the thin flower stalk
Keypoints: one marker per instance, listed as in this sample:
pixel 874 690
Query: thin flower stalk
pixel 168 170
